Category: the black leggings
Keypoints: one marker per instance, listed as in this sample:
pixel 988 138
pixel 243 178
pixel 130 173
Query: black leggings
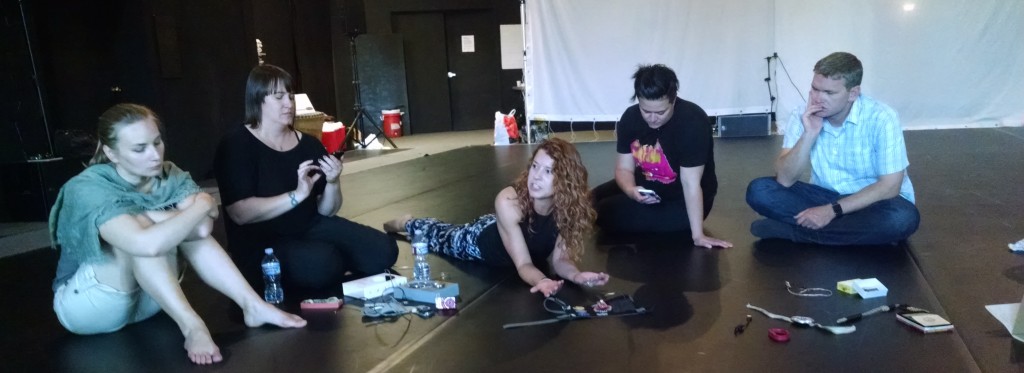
pixel 320 258
pixel 617 213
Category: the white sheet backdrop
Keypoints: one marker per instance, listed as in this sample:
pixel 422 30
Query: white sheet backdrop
pixel 951 63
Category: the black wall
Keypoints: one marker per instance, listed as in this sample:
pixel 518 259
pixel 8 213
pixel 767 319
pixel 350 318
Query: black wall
pixel 186 59
pixel 379 15
pixel 22 130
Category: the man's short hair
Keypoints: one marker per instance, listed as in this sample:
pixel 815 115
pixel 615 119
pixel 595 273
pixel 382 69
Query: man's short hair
pixel 652 82
pixel 841 65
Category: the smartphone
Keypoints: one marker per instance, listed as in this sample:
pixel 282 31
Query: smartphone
pixel 925 322
pixel 647 192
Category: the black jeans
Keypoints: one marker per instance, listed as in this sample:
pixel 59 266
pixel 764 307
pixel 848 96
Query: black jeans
pixel 319 258
pixel 618 213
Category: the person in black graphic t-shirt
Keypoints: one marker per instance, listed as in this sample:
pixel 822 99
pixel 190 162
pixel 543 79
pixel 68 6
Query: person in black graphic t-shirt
pixel 665 147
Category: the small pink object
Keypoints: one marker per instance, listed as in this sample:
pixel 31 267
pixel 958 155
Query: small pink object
pixel 778 335
pixel 601 306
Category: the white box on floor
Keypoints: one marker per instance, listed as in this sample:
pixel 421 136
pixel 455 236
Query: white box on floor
pixel 373 286
pixel 870 288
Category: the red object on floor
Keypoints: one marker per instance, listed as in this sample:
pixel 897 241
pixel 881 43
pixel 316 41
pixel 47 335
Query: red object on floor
pixel 392 120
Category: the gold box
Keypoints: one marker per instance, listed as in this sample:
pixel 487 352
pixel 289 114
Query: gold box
pixel 311 124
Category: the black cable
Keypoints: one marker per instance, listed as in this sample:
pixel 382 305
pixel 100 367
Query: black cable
pixel 775 73
pixel 791 80
pixel 768 81
pixel 563 308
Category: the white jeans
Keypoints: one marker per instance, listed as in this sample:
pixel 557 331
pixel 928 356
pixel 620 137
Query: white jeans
pixel 85 306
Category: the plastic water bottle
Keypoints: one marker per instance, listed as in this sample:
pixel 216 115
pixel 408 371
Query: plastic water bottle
pixel 421 269
pixel 272 293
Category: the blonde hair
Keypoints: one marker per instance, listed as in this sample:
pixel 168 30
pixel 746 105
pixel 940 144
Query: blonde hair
pixel 112 121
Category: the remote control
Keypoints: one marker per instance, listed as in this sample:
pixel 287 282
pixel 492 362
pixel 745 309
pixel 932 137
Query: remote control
pixel 331 303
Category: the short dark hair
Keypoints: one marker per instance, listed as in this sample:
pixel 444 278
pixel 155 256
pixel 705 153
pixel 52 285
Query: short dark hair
pixel 841 65
pixel 652 82
pixel 263 79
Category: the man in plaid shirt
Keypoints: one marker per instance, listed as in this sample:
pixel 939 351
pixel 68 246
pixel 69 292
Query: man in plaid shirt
pixel 859 192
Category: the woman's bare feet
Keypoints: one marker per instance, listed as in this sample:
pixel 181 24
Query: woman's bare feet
pixel 260 312
pixel 200 347
pixel 397 225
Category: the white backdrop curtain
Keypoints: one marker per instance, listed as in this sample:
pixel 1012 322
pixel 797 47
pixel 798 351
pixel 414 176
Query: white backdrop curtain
pixel 942 64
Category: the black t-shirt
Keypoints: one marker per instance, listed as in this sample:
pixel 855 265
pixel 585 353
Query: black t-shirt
pixel 684 141
pixel 245 167
pixel 540 241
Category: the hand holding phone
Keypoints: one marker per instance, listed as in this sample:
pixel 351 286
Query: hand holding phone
pixel 644 192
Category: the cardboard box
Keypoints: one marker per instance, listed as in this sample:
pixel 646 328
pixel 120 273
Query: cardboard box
pixel 311 124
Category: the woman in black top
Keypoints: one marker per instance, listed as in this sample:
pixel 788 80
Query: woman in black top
pixel 281 189
pixel 542 216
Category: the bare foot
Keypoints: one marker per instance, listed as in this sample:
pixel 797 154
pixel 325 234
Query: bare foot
pixel 397 225
pixel 260 312
pixel 200 347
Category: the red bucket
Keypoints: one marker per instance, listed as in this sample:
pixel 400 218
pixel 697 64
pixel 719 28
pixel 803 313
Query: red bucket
pixel 392 120
pixel 333 138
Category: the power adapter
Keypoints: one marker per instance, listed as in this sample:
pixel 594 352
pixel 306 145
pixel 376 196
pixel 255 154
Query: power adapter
pixel 429 293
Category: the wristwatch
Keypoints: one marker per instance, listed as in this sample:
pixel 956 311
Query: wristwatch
pixel 802 321
pixel 837 208
pixel 805 322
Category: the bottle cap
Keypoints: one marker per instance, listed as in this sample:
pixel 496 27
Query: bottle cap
pixel 268 250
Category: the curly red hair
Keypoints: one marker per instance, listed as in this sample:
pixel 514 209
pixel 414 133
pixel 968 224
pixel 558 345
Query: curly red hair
pixel 572 211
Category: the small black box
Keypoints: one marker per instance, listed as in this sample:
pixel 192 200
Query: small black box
pixel 744 125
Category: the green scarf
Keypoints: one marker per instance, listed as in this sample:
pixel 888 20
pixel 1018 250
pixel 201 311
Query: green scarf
pixel 99 194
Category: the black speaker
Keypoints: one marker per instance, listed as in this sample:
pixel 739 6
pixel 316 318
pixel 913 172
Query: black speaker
pixel 353 16
pixel 744 125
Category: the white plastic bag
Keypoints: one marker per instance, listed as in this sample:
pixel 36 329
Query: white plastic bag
pixel 500 133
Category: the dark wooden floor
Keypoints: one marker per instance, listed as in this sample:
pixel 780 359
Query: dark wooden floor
pixel 968 185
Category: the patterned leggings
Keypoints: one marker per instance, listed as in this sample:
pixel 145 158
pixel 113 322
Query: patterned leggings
pixel 456 241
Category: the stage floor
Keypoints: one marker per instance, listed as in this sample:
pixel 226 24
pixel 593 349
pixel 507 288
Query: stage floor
pixel 968 186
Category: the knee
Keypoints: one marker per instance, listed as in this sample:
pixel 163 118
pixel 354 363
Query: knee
pixel 760 188
pixel 386 255
pixel 203 230
pixel 315 265
pixel 903 218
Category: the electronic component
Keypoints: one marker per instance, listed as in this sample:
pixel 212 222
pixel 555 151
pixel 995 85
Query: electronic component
pixel 331 303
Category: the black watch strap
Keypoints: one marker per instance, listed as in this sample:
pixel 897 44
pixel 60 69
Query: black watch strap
pixel 837 208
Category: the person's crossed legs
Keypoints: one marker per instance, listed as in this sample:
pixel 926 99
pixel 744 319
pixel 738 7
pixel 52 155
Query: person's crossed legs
pixel 882 222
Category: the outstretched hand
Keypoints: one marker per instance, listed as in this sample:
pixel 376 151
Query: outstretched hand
pixel 590 279
pixel 547 286
pixel 711 242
